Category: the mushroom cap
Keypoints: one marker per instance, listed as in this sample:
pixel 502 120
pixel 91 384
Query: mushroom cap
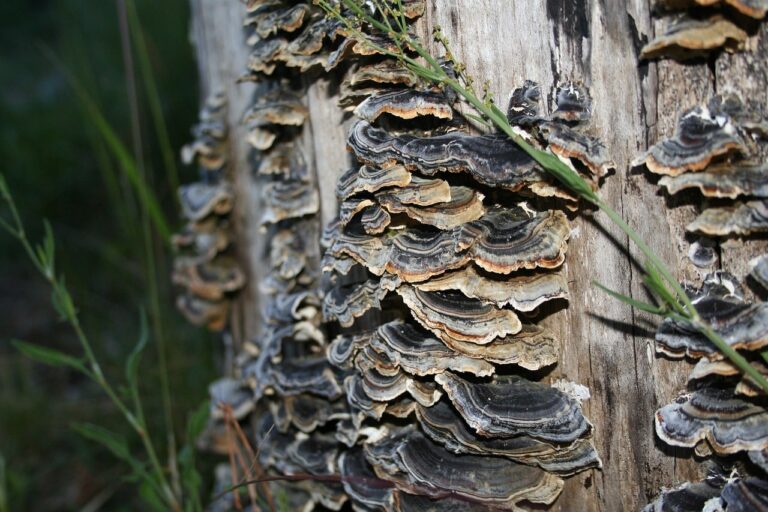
pixel 759 270
pixel 511 405
pixel 700 136
pixel 492 160
pixel 420 466
pixel 713 414
pixel 443 424
pixel 449 314
pixel 345 303
pixel 687 38
pixel 525 105
pixel 371 179
pixel 199 200
pixel 742 218
pixel 729 180
pixel 418 353
pixel 573 101
pixel 289 200
pixel 405 104
pixel 524 293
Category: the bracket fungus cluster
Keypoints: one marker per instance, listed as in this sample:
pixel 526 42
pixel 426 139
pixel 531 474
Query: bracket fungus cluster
pixel 722 414
pixel 696 28
pixel 717 151
pixel 401 364
pixel 438 266
pixel 202 268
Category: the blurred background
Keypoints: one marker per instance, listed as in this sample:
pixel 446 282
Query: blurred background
pixel 74 76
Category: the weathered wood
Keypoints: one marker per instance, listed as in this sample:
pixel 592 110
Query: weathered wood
pixel 605 346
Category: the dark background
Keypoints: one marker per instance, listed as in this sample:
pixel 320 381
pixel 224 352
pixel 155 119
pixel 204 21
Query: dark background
pixel 59 168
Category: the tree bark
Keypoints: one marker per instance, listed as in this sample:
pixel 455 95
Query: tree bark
pixel 606 346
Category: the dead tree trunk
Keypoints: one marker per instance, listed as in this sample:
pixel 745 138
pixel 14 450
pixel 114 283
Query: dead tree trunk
pixel 605 345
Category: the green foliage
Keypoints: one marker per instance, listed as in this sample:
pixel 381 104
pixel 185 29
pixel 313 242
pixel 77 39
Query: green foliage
pixel 49 356
pixel 387 18
pixel 66 165
pixel 3 486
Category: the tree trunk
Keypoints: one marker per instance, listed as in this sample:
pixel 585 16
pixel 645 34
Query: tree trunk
pixel 606 346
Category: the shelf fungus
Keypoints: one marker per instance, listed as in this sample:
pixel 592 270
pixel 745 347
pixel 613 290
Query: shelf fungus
pixel 742 325
pixel 752 8
pixel 690 496
pixel 452 315
pixel 574 104
pixel 279 107
pixel 502 241
pixel 210 280
pixel 533 348
pixel 268 20
pixel 419 466
pixel 345 303
pixel 445 426
pixel 759 270
pixel 723 180
pixel 465 205
pixel 702 134
pixel 525 105
pixel 208 276
pixel 524 293
pixel 199 200
pixel 418 192
pixel 687 38
pixel 743 218
pixel 492 160
pixel 289 200
pixel 511 405
pixel 202 312
pixel 405 104
pixel 420 354
pixel 371 179
pixel 712 414
pixel 209 149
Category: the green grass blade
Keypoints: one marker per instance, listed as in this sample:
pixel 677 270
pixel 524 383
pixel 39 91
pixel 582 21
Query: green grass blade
pixel 153 97
pixel 3 486
pixel 132 363
pixel 128 165
pixel 642 306
pixel 49 356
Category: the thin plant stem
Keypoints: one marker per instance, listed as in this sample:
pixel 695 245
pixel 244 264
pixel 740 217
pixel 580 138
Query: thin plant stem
pixel 93 369
pixel 150 254
pixel 153 97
